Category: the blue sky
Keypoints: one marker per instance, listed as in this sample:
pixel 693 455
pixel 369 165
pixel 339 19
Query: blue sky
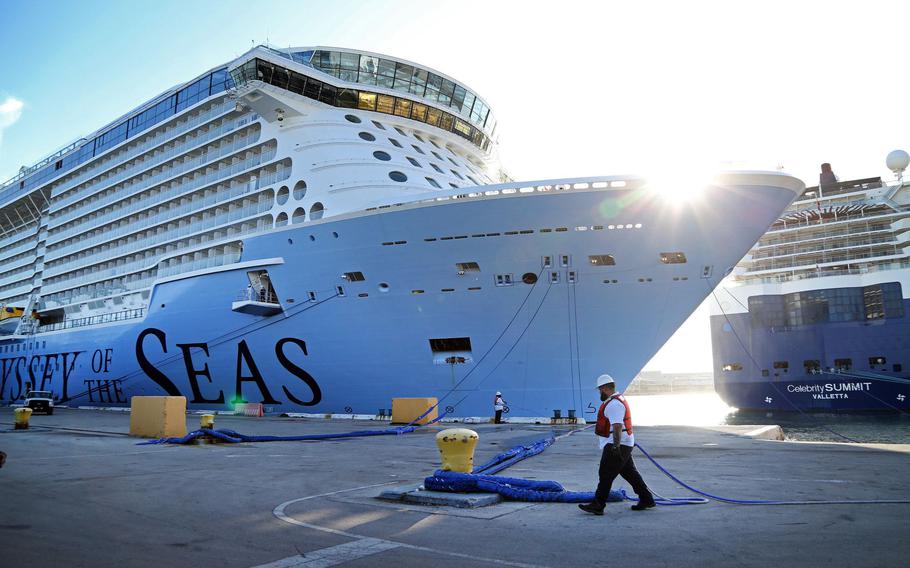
pixel 578 88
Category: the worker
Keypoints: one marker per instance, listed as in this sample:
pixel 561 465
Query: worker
pixel 614 432
pixel 498 406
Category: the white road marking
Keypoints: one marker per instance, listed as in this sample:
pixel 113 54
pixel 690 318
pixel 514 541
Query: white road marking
pixel 279 513
pixel 333 555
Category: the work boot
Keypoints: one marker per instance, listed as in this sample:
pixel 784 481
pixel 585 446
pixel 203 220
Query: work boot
pixel 643 504
pixel 594 507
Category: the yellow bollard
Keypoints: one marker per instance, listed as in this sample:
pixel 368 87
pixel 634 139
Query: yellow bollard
pixel 20 417
pixel 207 421
pixel 456 446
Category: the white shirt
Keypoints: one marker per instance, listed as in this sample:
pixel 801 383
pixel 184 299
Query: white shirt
pixel 615 412
pixel 499 404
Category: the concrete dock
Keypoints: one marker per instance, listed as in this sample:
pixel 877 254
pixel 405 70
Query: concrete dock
pixel 77 491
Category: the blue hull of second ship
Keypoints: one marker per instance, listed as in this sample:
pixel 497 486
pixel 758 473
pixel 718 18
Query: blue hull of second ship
pixel 877 380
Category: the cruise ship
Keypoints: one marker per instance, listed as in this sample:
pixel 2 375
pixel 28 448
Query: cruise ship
pixel 320 230
pixel 817 316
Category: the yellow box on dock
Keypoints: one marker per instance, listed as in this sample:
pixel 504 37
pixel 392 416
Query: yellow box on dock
pixel 158 416
pixel 405 410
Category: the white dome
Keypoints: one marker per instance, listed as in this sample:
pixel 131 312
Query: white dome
pixel 897 161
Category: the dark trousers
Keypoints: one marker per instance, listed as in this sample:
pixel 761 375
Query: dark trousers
pixel 498 419
pixel 619 463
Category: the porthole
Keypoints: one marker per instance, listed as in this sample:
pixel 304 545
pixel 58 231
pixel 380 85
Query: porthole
pixel 281 220
pixel 378 125
pixel 383 286
pixel 367 136
pixel 317 211
pixel 352 118
pixel 299 215
pixel 380 155
pixel 398 176
pixel 335 234
pixel 299 190
pixel 282 196
pixel 529 278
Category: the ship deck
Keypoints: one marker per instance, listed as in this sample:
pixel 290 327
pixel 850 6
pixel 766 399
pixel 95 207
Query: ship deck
pixel 76 487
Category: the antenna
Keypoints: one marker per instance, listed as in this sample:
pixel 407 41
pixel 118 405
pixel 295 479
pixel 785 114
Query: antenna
pixel 897 161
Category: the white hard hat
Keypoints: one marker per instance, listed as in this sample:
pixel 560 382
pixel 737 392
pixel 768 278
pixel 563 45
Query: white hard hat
pixel 604 379
pixel 498 393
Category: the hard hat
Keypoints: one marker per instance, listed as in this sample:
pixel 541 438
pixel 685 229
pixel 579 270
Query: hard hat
pixel 604 379
pixel 498 393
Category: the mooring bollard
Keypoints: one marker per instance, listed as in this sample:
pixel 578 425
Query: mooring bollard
pixel 456 446
pixel 207 421
pixel 20 417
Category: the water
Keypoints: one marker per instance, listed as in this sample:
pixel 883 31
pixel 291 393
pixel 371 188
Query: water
pixel 707 409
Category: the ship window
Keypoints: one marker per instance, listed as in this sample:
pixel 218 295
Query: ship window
pixel 433 182
pixel 449 344
pixel 398 176
pixel 385 104
pixel 437 168
pixel 400 131
pixel 352 118
pixel 299 189
pixel 785 365
pixel 367 136
pixel 365 101
pixel 453 185
pixel 458 175
pixel 765 373
pixel 876 361
pixel 435 153
pixel 317 211
pixel 395 143
pixel 378 125
pixel 897 367
pixel 732 367
pixel 281 220
pixel 282 196
pixel 299 215
pixel 812 366
pixel 416 292
pixel 353 276
pixel 673 257
pixel 414 162
pixel 843 364
pixel 546 261
pixel 380 155
pixel 602 260
pixel 467 266
pixel 418 149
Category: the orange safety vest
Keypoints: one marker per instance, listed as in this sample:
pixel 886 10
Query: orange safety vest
pixel 603 428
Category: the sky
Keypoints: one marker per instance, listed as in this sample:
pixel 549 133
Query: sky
pixel 578 88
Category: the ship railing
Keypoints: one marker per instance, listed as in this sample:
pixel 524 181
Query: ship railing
pixel 523 188
pixel 123 315
pixel 841 272
pixel 262 295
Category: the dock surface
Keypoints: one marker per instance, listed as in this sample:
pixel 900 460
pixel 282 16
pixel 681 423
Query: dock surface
pixel 76 490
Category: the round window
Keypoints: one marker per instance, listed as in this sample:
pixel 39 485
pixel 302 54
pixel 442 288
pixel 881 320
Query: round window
pixel 299 215
pixel 282 196
pixel 299 189
pixel 282 220
pixel 398 176
pixel 352 118
pixel 367 136
pixel 380 155
pixel 317 211
pixel 529 278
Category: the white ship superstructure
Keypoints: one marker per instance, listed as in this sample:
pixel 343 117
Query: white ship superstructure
pixel 365 191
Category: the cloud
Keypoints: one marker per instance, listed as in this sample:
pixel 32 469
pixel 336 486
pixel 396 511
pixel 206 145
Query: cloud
pixel 10 111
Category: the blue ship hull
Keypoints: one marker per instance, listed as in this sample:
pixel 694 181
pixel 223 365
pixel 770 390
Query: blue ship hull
pixel 541 344
pixel 866 386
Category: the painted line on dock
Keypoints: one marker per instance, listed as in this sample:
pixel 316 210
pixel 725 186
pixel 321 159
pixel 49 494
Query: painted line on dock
pixel 334 555
pixel 280 514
